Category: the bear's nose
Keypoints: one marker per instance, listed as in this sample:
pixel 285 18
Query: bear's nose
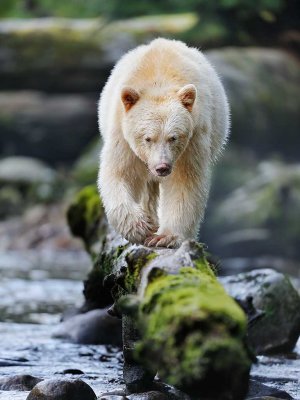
pixel 163 169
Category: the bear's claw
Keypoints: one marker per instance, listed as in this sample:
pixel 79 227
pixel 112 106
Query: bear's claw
pixel 138 231
pixel 170 241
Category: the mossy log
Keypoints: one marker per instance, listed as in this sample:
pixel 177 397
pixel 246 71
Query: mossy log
pixel 191 331
pixel 74 55
pixel 179 319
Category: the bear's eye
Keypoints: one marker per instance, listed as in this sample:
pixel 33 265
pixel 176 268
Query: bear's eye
pixel 172 139
pixel 148 139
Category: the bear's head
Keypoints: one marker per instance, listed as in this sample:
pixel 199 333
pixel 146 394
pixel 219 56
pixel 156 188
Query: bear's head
pixel 158 127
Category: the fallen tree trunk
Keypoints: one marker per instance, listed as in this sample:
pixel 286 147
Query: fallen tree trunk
pixel 177 319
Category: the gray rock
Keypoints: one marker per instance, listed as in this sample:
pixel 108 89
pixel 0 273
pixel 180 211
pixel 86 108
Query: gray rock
pixel 118 394
pixel 53 128
pixel 62 389
pixel 25 170
pixel 18 382
pixel 260 216
pixel 272 305
pixel 151 395
pixel 93 327
pixel 258 391
pixel 268 398
pixel 262 86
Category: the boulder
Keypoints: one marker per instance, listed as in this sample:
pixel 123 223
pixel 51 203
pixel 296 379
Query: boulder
pixel 62 389
pixel 262 86
pixel 93 327
pixel 272 305
pixel 259 391
pixel 54 128
pixel 25 170
pixel 18 382
pixel 260 216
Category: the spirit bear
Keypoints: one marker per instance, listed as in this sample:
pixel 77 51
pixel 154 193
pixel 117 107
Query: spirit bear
pixel 164 119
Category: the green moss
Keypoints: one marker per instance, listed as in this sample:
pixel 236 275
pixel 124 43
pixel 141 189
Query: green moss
pixel 187 321
pixel 84 215
pixel 64 45
pixel 136 260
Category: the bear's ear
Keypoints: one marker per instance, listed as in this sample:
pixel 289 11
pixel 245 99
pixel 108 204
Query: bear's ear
pixel 129 97
pixel 187 96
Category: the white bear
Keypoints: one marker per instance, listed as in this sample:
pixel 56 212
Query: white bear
pixel 164 118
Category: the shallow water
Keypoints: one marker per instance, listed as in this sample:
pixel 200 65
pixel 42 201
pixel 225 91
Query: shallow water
pixel 29 349
pixel 36 286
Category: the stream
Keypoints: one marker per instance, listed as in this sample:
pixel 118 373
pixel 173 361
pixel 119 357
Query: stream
pixel 37 286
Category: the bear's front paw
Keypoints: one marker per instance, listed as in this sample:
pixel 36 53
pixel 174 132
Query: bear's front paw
pixel 170 241
pixel 140 229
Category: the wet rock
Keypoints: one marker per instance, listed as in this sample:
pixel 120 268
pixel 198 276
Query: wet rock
pixel 118 394
pixel 151 395
pixel 272 305
pixel 258 391
pixel 269 398
pixel 18 382
pixel 73 371
pixel 262 88
pixel 34 123
pixel 93 327
pixel 86 218
pixel 62 389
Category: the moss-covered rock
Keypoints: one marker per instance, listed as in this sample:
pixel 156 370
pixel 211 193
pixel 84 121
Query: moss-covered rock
pixel 272 304
pixel 68 55
pixel 86 219
pixel 191 331
pixel 193 334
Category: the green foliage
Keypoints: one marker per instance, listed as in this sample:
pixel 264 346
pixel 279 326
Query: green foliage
pixel 133 8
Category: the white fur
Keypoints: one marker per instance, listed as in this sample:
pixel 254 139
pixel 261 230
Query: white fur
pixel 183 111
